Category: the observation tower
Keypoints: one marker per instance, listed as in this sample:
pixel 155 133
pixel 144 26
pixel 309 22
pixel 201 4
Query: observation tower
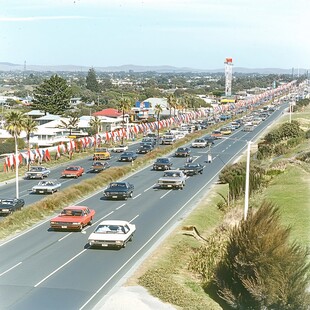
pixel 228 76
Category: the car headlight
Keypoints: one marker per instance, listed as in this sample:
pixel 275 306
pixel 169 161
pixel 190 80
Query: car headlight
pixel 119 242
pixel 5 210
pixel 53 222
pixel 76 223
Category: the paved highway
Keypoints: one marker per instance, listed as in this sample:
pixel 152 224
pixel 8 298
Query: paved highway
pixel 43 269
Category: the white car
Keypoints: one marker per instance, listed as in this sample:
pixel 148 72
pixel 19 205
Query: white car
pixel 46 187
pixel 199 143
pixel 174 179
pixel 119 148
pixel 112 233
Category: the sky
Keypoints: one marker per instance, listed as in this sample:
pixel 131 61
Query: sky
pixel 199 34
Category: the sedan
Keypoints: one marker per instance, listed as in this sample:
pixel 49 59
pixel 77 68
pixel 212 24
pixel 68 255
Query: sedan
pixel 119 190
pixel 128 156
pixel 98 166
pixel 37 172
pixel 8 206
pixel 73 218
pixel 119 148
pixel 72 172
pixel 192 169
pixel 112 233
pixel 182 152
pixel 46 187
pixel 144 149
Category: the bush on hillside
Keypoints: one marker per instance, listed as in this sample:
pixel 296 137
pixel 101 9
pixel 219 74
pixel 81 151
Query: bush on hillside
pixel 260 268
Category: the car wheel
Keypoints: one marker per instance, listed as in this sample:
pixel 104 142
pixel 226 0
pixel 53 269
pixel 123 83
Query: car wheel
pixel 124 245
pixel 81 227
pixel 76 176
pixel 131 237
pixel 130 195
pixel 90 222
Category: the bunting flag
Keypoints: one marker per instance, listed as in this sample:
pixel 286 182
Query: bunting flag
pixel 47 155
pixel 5 168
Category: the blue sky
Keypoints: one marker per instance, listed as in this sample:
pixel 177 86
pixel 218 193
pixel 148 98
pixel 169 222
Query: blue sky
pixel 183 33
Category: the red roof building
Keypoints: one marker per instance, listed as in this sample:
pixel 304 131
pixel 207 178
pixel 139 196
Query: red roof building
pixel 108 113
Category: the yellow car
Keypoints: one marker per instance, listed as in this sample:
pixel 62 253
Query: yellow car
pixel 225 131
pixel 101 154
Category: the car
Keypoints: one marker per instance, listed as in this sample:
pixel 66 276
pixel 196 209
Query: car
pixel 112 233
pixel 119 148
pixel 225 131
pixel 168 139
pixel 98 166
pixel 216 134
pixel 145 148
pixel 101 154
pixel 73 218
pixel 162 163
pixel 192 169
pixel 119 190
pixel 209 140
pixel 72 172
pixel 149 140
pixel 182 152
pixel 128 156
pixel 10 205
pixel 174 179
pixel 46 187
pixel 199 143
pixel 37 172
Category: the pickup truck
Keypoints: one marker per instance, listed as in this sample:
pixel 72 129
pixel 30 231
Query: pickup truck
pixel 174 179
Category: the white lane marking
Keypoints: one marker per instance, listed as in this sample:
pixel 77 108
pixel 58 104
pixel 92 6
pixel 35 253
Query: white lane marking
pixel 69 261
pixel 151 187
pixel 103 218
pixel 134 218
pixel 4 272
pixel 165 194
pixel 121 206
pixel 64 237
pixel 136 196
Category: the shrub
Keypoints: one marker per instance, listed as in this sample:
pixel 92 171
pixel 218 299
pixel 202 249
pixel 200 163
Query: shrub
pixel 260 268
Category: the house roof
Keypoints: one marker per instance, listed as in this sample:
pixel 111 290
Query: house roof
pixel 108 112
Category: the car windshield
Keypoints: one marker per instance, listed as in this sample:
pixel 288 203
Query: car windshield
pixel 113 185
pixel 182 149
pixel 171 174
pixel 110 229
pixel 190 166
pixel 97 163
pixel 128 154
pixel 46 183
pixel 36 169
pixel 71 212
pixel 162 160
pixel 6 201
pixel 72 168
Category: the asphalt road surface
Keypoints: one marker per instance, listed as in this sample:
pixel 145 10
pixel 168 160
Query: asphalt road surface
pixel 44 269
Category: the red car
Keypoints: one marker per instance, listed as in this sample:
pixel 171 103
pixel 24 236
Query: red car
pixel 72 172
pixel 73 218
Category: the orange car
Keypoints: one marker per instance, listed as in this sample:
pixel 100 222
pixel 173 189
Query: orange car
pixel 216 134
pixel 72 172
pixel 73 218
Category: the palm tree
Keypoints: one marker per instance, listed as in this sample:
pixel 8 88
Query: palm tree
pixel 124 106
pixel 158 109
pixel 29 126
pixel 71 124
pixel 95 123
pixel 14 124
pixel 172 102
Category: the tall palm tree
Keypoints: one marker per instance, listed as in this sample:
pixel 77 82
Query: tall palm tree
pixel 158 109
pixel 172 102
pixel 14 124
pixel 124 106
pixel 29 126
pixel 95 124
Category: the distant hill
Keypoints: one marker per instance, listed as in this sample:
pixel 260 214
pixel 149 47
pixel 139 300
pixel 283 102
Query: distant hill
pixel 7 67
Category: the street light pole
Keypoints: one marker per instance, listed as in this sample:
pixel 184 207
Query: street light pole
pixel 247 180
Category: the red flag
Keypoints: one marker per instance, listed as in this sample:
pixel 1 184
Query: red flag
pixel 47 155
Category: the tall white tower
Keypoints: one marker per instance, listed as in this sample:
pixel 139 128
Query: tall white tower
pixel 228 76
